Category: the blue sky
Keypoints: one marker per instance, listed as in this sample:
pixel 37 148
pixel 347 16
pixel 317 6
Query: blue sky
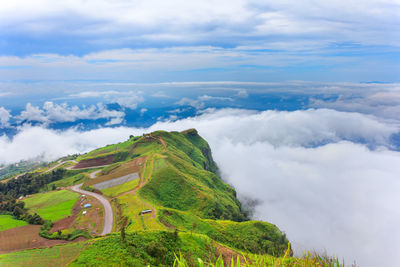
pixel 164 41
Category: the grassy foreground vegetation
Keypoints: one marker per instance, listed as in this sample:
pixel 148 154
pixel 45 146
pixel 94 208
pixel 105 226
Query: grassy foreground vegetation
pixel 143 248
pixel 53 256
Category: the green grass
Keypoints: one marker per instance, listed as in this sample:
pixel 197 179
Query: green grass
pixel 131 206
pixel 54 256
pixel 143 248
pixel 53 205
pixel 119 189
pixel 8 222
pixel 252 236
pixel 68 181
pixel 177 184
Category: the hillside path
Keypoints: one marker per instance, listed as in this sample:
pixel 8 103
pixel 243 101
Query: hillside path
pixel 142 182
pixel 58 165
pixel 108 213
pixel 86 168
pixel 92 175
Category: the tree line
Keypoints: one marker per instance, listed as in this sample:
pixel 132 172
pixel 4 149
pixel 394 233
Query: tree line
pixel 29 183
pixel 18 210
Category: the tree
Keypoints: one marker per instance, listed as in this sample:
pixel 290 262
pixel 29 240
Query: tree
pixel 18 212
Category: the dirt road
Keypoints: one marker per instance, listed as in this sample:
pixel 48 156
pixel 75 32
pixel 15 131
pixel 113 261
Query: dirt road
pixel 108 213
pixel 92 175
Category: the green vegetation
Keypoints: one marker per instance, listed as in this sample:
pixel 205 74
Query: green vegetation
pixel 142 248
pixel 71 178
pixel 253 236
pixel 28 183
pixel 18 168
pixel 8 222
pixel 54 205
pixel 64 235
pixel 181 180
pixel 19 212
pixel 250 260
pixel 122 188
pixel 54 256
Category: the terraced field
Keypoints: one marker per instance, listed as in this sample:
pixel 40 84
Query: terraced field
pixel 117 170
pixel 53 205
pixel 8 222
pixel 122 188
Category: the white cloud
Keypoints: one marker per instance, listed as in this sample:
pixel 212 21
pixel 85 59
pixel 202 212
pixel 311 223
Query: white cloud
pixel 52 113
pixel 370 22
pixel 199 102
pixel 213 98
pixel 4 117
pixel 185 101
pixel 242 93
pixel 142 111
pixel 314 175
pixel 91 94
pixel 380 101
pixel 127 99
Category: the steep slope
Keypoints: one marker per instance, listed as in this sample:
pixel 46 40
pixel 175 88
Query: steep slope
pixel 181 179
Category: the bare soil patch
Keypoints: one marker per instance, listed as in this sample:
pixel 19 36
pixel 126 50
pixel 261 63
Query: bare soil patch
pixel 95 162
pixel 25 237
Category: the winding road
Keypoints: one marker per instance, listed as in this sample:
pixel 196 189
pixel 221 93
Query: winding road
pixel 108 213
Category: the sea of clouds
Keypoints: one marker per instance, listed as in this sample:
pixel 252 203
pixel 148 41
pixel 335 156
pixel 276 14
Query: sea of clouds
pixel 328 179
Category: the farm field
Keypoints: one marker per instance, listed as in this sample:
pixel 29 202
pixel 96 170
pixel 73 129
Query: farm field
pixel 8 222
pixel 72 180
pixel 117 171
pixel 54 205
pixel 24 237
pixel 122 188
pixel 60 255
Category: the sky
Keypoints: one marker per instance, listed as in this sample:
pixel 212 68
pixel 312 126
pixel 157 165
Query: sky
pixel 164 41
pixel 299 100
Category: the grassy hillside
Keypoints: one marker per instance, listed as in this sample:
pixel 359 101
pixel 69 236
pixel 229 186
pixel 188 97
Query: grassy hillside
pixel 179 182
pixel 253 236
pixel 145 248
pixel 183 180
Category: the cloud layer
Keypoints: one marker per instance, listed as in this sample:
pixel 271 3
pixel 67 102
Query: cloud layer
pixel 237 39
pixel 312 170
pixel 369 22
pixel 53 113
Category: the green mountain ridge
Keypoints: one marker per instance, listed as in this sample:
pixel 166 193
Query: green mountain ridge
pixel 178 206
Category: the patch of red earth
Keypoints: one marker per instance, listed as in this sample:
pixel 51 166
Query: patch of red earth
pixel 26 237
pixel 95 162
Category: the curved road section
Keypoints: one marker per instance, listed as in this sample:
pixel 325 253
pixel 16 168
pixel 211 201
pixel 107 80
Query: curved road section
pixel 108 214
